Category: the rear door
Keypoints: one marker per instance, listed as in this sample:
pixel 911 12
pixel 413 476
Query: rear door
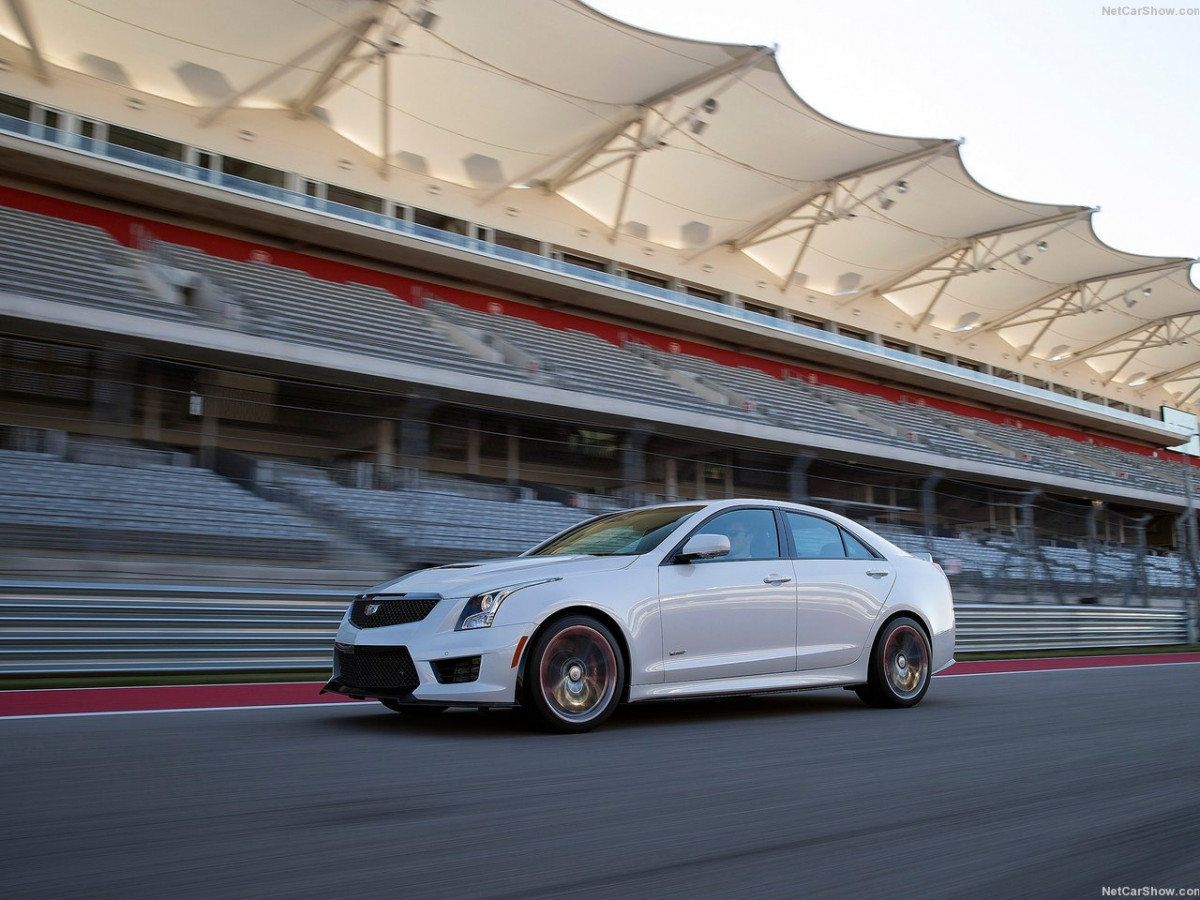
pixel 841 585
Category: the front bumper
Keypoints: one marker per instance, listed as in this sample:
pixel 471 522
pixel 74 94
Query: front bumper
pixel 419 664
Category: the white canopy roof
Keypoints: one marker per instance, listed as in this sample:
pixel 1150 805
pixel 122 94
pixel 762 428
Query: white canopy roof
pixel 695 146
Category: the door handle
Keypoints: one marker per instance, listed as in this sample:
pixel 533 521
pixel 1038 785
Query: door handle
pixel 776 579
pixel 877 573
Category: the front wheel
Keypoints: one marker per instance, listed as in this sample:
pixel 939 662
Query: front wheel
pixel 575 675
pixel 898 672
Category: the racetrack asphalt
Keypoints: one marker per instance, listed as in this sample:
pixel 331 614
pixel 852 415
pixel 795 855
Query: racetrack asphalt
pixel 1035 784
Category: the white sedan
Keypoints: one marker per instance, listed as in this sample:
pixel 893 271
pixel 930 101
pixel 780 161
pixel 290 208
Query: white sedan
pixel 658 603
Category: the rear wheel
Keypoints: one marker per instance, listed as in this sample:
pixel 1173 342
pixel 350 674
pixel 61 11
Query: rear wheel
pixel 417 712
pixel 898 672
pixel 575 675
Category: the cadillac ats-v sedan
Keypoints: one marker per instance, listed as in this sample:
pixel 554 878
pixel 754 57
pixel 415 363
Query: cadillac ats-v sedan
pixel 659 603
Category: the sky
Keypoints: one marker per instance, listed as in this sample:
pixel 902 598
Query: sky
pixel 1057 101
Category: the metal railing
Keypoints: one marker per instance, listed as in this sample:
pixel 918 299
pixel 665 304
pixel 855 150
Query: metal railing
pixel 48 628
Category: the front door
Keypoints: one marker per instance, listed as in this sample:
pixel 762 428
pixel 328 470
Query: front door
pixel 734 615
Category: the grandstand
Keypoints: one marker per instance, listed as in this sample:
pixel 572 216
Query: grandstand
pixel 262 307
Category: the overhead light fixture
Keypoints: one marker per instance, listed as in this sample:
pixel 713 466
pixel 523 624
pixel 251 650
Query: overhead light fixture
pixel 696 125
pixel 426 18
pixel 886 202
pixel 966 322
pixel 1130 302
pixel 1024 257
pixel 135 103
pixel 1146 292
pixel 1042 246
pixel 1062 351
pixel 1138 379
pixel 710 105
pixel 901 187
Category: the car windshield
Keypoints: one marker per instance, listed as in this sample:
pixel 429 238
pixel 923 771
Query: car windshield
pixel 620 534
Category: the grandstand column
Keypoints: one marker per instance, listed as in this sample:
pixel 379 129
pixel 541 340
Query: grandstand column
pixel 385 453
pixel 514 454
pixel 671 478
pixel 1191 543
pixel 473 445
pixel 210 419
pixel 412 442
pixel 1028 540
pixel 1140 579
pixel 1094 546
pixel 152 404
pixel 929 507
pixel 798 477
pixel 112 400
pixel 633 463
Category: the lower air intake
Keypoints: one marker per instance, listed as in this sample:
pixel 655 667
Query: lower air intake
pixel 368 669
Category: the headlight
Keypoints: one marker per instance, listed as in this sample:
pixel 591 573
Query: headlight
pixel 481 609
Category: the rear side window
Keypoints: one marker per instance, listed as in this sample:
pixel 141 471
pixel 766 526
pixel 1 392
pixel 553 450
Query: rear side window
pixel 817 538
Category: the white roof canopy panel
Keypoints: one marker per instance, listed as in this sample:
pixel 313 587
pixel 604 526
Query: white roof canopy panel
pixel 687 144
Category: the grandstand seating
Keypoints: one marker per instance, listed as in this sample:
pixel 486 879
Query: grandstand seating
pixel 48 502
pixel 69 262
pixel 578 361
pixel 431 526
pixel 50 258
pixel 294 306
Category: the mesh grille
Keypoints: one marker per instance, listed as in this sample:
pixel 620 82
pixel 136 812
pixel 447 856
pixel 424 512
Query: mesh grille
pixel 457 671
pixel 383 668
pixel 392 610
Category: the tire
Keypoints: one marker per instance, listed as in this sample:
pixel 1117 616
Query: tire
pixel 898 672
pixel 574 676
pixel 417 712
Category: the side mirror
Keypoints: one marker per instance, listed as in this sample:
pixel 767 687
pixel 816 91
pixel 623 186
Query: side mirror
pixel 704 546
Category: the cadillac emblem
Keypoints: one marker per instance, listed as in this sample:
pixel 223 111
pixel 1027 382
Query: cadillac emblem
pixel 372 608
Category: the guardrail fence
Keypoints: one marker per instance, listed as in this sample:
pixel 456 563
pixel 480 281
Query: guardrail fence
pixel 108 629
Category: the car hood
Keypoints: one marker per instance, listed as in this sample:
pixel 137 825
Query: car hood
pixel 469 578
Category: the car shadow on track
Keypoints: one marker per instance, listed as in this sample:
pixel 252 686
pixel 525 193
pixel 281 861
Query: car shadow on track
pixel 674 713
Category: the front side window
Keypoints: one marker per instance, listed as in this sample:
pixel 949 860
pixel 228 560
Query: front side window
pixel 752 533
pixel 620 534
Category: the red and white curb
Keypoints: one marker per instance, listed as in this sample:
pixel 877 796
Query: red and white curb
pixel 180 698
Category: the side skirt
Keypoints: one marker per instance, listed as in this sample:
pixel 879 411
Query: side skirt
pixel 813 679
